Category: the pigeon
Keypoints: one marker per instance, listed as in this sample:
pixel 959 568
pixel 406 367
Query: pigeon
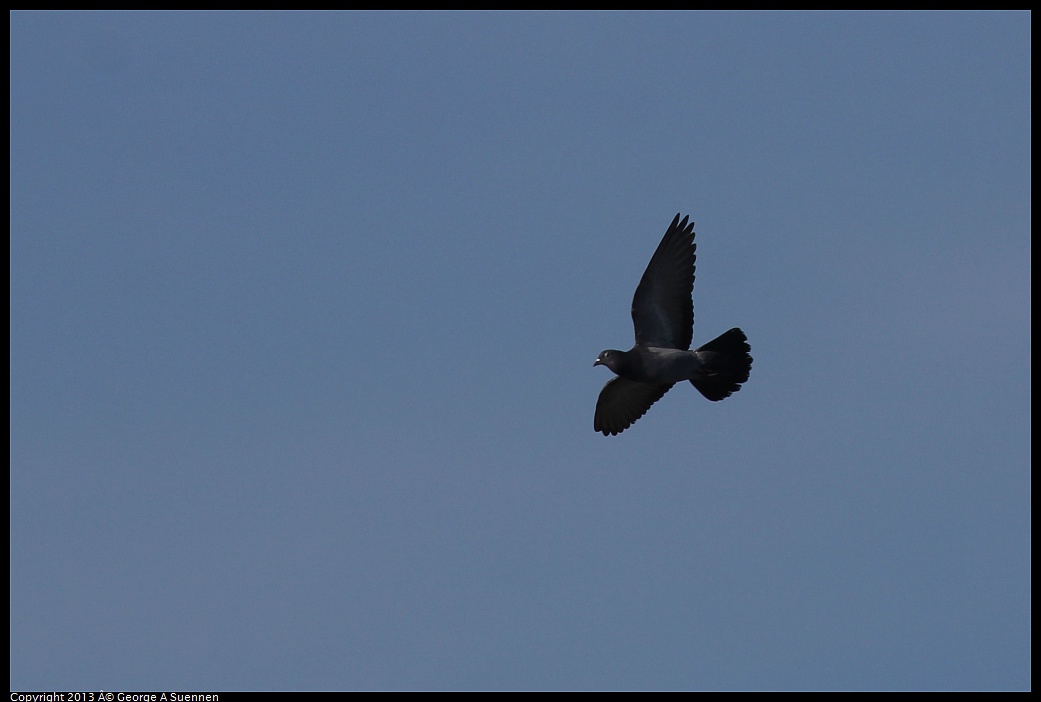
pixel 663 316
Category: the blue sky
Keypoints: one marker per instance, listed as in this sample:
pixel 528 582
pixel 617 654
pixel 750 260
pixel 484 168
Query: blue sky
pixel 303 315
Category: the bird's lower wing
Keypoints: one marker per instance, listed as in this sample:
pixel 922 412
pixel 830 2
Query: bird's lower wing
pixel 622 402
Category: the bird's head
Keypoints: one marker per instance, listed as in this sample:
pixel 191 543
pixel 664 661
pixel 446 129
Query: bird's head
pixel 610 358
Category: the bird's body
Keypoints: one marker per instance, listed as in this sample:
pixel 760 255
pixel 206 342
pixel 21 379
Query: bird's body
pixel 649 364
pixel 663 317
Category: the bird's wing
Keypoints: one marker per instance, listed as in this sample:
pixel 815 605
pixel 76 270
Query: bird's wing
pixel 663 312
pixel 622 402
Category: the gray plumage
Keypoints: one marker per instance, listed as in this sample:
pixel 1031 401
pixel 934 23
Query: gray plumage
pixel 663 317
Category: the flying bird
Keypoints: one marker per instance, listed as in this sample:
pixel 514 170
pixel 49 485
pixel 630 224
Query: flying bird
pixel 663 316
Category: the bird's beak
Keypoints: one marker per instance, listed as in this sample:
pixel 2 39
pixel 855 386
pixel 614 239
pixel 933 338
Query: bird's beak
pixel 596 363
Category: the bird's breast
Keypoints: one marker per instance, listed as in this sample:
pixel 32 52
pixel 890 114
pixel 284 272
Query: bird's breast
pixel 658 365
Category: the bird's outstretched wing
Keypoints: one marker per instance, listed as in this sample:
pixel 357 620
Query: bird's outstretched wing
pixel 622 402
pixel 663 312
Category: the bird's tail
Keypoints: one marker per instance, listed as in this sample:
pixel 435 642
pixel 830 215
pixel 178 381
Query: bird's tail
pixel 727 364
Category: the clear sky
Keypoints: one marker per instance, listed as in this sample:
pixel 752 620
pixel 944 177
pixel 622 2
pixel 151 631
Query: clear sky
pixel 304 309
